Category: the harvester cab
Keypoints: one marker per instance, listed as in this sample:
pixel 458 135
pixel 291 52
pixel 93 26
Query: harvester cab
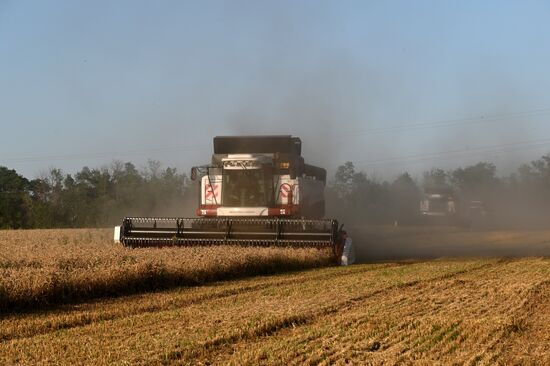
pixel 260 176
pixel 257 190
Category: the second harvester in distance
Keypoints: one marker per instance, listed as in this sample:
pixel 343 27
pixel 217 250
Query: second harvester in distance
pixel 256 191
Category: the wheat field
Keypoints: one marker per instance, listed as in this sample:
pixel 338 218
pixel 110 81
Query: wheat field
pixel 44 267
pixel 473 311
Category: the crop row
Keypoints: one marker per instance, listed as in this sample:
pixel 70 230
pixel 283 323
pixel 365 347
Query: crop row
pixel 43 267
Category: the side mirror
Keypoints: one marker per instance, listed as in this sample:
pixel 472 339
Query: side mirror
pixel 193 173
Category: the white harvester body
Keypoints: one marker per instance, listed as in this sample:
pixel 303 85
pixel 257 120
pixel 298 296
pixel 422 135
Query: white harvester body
pixel 437 204
pixel 257 190
pixel 250 178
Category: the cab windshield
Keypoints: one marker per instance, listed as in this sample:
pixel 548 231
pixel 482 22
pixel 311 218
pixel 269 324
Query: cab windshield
pixel 247 188
pixel 438 205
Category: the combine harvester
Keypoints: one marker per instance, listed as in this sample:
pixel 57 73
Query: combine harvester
pixel 439 206
pixel 257 191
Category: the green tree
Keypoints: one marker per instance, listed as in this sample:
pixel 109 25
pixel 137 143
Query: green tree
pixel 344 180
pixel 405 198
pixel 436 179
pixel 474 177
pixel 14 199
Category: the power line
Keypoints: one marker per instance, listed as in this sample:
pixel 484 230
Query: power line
pixel 453 154
pixel 416 126
pixel 100 155
pixel 450 122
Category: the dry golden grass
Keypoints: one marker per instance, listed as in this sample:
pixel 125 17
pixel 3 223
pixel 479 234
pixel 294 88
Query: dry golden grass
pixel 40 267
pixel 462 311
pixel 465 312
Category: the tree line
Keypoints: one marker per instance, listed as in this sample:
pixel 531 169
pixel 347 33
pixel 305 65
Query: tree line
pixel 519 199
pixel 91 197
pixel 102 196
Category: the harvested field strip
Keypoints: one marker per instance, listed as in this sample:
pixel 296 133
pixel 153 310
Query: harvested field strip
pixel 345 307
pixel 444 320
pixel 530 340
pixel 21 325
pixel 517 324
pixel 39 268
pixel 240 318
pixel 276 325
pixel 330 311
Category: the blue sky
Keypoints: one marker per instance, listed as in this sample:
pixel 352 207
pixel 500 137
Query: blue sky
pixel 391 85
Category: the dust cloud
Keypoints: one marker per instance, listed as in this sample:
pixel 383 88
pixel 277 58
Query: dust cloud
pixel 321 107
pixel 376 243
pixel 336 102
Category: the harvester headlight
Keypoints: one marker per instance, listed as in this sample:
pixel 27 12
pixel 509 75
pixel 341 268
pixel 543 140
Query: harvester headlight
pixel 285 165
